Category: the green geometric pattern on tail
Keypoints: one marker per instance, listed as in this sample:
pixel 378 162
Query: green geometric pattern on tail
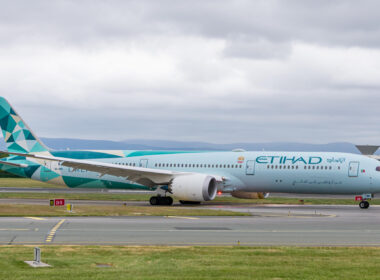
pixel 17 135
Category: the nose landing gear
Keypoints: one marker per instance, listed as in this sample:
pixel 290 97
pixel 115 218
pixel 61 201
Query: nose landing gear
pixel 364 200
pixel 364 204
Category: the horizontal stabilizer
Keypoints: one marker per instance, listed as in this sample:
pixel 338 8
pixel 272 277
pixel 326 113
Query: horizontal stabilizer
pixel 367 150
pixel 13 164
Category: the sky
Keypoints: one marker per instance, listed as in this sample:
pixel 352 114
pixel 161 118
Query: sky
pixel 209 70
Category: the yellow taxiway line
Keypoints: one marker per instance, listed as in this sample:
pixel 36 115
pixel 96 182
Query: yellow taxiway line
pixel 51 234
pixel 36 218
pixel 181 217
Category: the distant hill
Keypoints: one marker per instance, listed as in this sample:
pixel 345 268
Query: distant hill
pixel 139 144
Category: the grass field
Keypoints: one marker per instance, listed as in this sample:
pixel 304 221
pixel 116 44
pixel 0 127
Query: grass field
pixel 26 183
pixel 8 210
pixel 80 262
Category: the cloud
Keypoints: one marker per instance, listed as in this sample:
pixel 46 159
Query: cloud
pixel 224 71
pixel 256 49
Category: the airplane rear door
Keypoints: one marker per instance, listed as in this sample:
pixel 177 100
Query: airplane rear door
pixel 47 164
pixel 250 167
pixel 353 169
pixel 144 163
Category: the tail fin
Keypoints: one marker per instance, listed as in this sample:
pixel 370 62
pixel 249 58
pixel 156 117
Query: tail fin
pixel 18 136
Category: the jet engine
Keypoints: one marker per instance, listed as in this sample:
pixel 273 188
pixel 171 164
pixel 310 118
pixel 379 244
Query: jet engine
pixel 194 187
pixel 249 195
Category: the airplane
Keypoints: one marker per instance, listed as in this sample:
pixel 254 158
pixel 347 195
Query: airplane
pixel 190 176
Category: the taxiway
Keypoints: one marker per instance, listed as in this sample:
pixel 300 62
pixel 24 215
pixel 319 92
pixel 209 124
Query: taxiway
pixel 303 225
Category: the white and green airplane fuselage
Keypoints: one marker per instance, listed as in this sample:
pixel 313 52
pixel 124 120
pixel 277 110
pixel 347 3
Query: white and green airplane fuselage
pixel 190 176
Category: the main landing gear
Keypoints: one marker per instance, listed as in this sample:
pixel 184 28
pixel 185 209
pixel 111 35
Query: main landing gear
pixel 161 200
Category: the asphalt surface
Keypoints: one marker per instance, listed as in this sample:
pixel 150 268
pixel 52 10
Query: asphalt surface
pixel 303 225
pixel 300 225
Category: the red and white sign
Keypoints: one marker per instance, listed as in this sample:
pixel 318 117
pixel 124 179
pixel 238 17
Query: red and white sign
pixel 358 198
pixel 59 202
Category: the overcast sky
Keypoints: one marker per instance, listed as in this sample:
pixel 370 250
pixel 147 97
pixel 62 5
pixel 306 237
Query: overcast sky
pixel 216 71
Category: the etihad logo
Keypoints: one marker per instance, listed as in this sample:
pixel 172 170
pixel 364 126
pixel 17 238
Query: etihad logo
pixel 288 160
pixel 240 159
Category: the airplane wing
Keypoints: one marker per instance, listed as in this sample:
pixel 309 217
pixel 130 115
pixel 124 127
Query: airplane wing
pixel 369 151
pixel 145 176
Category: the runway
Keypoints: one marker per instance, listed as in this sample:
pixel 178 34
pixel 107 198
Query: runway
pixel 269 225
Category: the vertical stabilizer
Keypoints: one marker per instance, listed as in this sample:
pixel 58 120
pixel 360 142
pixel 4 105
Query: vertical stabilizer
pixel 18 136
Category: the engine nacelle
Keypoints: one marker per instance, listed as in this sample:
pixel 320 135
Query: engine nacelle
pixel 194 187
pixel 249 195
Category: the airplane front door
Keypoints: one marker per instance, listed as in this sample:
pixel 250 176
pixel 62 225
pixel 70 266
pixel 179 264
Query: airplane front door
pixel 353 169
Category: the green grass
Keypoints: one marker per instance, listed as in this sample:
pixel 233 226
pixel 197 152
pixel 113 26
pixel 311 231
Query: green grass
pixel 80 262
pixel 26 183
pixel 9 210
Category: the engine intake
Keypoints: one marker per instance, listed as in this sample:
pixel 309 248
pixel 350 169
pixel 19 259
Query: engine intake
pixel 194 187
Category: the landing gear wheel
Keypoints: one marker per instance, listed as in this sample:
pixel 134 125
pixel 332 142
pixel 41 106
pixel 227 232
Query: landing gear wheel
pixel 364 204
pixel 161 200
pixel 153 200
pixel 189 202
pixel 168 200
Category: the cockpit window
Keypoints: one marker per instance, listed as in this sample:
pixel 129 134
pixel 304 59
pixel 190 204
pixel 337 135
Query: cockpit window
pixel 378 168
